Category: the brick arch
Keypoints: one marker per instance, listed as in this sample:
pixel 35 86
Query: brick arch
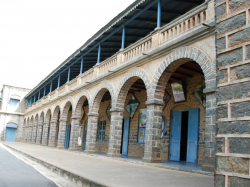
pixel 174 60
pixel 100 91
pixel 69 102
pixel 55 111
pixel 48 113
pixel 80 100
pixel 128 80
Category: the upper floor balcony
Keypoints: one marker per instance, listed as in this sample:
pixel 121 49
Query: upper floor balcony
pixel 132 35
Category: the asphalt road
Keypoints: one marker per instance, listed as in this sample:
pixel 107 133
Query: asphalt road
pixel 16 173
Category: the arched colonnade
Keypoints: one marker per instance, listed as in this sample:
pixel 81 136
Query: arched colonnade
pixel 50 127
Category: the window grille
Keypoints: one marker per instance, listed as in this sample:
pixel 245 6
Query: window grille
pixel 101 130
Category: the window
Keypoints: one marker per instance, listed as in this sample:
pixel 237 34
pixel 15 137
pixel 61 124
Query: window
pixel 14 103
pixel 101 130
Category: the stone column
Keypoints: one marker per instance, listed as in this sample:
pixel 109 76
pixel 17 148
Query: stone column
pixel 232 166
pixel 26 134
pixel 33 140
pixel 115 133
pixel 210 132
pixel 155 38
pixel 30 134
pixel 91 133
pixel 62 131
pixel 39 134
pixel 74 133
pixel 23 134
pixel 45 134
pixel 152 148
pixel 52 134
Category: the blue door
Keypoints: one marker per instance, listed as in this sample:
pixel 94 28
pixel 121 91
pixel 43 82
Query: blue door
pixel 193 132
pixel 10 134
pixel 125 138
pixel 67 136
pixel 175 136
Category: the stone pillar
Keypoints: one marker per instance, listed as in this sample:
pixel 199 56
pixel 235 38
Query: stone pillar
pixel 30 134
pixel 52 134
pixel 23 134
pixel 115 133
pixel 45 134
pixel 33 140
pixel 39 134
pixel 96 70
pixel 210 132
pixel 91 133
pixel 232 166
pixel 120 57
pixel 62 131
pixel 153 133
pixel 26 134
pixel 155 38
pixel 75 123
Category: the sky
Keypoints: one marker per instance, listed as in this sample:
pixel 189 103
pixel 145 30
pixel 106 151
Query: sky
pixel 38 35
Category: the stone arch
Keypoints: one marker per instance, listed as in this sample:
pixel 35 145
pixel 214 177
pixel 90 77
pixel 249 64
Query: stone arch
pixel 47 116
pixel 69 102
pixel 36 119
pixel 55 111
pixel 100 91
pixel 80 100
pixel 28 121
pixel 31 121
pixel 127 81
pixel 181 56
pixel 24 122
pixel 11 122
pixel 41 117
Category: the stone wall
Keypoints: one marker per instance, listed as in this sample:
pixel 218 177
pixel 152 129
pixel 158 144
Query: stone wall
pixel 233 116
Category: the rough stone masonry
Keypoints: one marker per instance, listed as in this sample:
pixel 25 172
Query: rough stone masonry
pixel 233 96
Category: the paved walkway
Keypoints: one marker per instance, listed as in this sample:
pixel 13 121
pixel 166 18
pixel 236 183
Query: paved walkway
pixel 110 172
pixel 180 166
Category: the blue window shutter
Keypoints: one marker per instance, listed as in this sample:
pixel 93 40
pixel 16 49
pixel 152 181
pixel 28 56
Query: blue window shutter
pixel 14 103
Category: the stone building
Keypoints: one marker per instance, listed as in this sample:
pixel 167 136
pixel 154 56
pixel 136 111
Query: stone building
pixel 12 108
pixel 163 80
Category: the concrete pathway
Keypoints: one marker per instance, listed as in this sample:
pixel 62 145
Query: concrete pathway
pixel 110 172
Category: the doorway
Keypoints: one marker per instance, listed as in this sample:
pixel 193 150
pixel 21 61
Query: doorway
pixel 48 135
pixel 10 132
pixel 85 135
pixel 67 136
pixel 125 135
pixel 184 135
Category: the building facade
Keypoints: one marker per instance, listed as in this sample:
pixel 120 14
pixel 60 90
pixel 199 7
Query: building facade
pixel 12 108
pixel 161 81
